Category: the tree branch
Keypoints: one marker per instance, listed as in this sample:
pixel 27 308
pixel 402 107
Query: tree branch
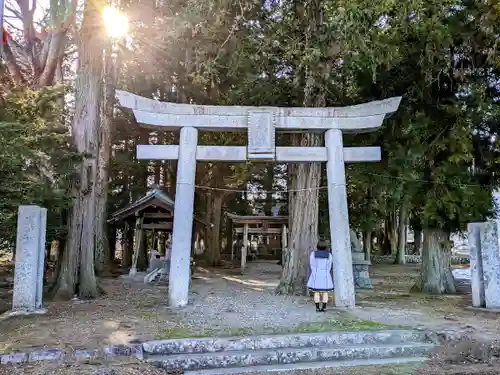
pixel 30 39
pixel 10 60
pixel 15 12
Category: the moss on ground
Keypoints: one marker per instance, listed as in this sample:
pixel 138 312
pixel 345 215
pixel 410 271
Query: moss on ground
pixel 343 325
pixel 406 369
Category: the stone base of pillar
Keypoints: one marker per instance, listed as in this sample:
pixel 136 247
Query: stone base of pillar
pixel 132 272
pixel 13 313
pixel 361 275
pixel 483 310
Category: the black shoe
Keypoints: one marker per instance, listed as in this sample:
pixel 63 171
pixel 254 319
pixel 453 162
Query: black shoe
pixel 323 308
pixel 317 307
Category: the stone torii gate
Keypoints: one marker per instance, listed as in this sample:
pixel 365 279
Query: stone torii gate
pixel 261 124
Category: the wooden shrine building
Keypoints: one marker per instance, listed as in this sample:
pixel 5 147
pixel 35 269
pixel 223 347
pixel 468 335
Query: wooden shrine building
pixel 274 228
pixel 153 212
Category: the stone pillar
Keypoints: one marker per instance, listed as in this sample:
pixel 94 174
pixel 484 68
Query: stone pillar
pixel 339 221
pixel 476 264
pixel 360 266
pixel 30 259
pixel 244 249
pixel 178 287
pixel 41 258
pixel 490 253
pixel 361 274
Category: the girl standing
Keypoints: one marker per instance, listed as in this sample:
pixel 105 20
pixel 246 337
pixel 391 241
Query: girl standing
pixel 320 280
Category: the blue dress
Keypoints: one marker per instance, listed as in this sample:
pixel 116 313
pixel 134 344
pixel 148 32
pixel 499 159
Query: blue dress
pixel 320 279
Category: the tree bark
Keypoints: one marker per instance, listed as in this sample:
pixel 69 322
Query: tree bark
pixel 102 251
pixel 417 236
pixel 386 238
pixel 392 232
pixel 142 260
pixel 158 163
pixel 367 244
pixel 78 258
pixel 303 218
pixel 402 219
pixel 214 256
pixel 112 232
pixel 435 272
pixel 213 253
pixel 162 242
pixel 127 245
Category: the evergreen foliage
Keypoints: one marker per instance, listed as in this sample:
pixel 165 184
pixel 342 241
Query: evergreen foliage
pixel 36 164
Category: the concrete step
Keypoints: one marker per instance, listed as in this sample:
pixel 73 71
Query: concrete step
pixel 292 367
pixel 280 356
pixel 212 345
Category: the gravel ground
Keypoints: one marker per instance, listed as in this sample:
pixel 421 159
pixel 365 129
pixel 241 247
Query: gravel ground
pixel 235 302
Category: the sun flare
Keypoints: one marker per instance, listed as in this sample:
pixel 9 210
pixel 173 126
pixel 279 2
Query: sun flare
pixel 115 22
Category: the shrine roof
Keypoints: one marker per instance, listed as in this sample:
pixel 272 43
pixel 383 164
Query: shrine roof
pixel 155 198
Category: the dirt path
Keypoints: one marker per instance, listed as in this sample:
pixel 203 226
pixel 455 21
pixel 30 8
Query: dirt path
pixel 226 303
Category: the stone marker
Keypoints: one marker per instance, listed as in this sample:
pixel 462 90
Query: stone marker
pixel 30 257
pixel 490 254
pixel 360 266
pixel 476 264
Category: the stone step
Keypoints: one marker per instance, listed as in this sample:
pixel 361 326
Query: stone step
pixel 211 345
pixel 244 358
pixel 293 367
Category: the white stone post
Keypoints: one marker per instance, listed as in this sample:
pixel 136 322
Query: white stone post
pixel 490 253
pixel 339 221
pixel 244 249
pixel 30 257
pixel 178 287
pixel 476 264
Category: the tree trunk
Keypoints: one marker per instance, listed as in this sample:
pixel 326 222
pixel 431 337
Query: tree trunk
pixel 142 260
pixel 435 272
pixel 213 253
pixel 213 214
pixel 78 257
pixel 392 232
pixel 387 243
pixel 162 242
pixel 303 218
pixel 172 166
pixel 102 251
pixel 402 218
pixel 127 245
pixel 305 177
pixel 158 163
pixel 417 238
pixel 112 244
pixel 367 244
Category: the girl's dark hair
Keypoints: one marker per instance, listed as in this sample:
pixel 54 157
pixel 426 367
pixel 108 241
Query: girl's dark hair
pixel 322 245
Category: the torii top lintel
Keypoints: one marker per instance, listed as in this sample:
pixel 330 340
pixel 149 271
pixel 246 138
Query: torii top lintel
pixel 359 118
